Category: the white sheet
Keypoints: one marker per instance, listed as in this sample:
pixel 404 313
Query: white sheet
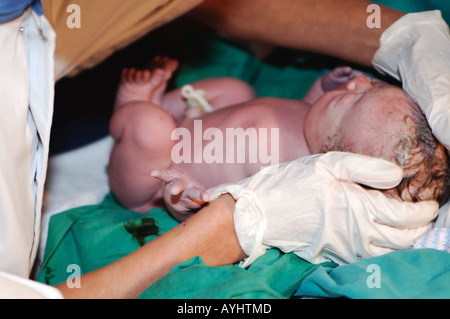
pixel 75 178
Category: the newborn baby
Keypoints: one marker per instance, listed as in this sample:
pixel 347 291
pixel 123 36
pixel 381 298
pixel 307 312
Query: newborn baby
pixel 343 111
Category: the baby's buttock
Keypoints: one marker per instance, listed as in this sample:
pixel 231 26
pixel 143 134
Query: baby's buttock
pixel 233 143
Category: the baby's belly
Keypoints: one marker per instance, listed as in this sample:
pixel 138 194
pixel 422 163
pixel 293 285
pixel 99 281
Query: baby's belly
pixel 233 143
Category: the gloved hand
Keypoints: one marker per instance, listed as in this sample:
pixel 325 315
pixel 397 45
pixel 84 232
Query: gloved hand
pixel 416 51
pixel 315 208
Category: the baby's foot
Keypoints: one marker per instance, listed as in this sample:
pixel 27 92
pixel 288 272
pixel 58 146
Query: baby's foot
pixel 145 85
pixel 168 66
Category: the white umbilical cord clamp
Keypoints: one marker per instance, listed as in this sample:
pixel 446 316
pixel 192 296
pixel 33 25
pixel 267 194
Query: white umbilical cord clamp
pixel 196 98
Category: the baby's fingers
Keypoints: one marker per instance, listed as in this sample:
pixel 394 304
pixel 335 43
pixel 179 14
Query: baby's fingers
pixel 197 194
pixel 175 183
pixel 177 186
pixel 164 175
pixel 342 71
pixel 346 73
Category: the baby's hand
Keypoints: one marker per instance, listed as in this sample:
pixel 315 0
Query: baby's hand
pixel 180 192
pixel 339 76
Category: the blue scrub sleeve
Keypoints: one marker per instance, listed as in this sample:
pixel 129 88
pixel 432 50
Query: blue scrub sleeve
pixel 12 9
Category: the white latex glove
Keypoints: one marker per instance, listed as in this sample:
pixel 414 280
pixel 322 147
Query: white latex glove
pixel 416 51
pixel 314 208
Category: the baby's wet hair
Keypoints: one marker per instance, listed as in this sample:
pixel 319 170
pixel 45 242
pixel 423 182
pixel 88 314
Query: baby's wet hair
pixel 424 160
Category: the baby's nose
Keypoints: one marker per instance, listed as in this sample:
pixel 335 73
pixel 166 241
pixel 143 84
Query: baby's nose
pixel 359 84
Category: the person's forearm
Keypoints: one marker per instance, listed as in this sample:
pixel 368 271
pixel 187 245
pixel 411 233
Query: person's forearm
pixel 209 234
pixel 337 28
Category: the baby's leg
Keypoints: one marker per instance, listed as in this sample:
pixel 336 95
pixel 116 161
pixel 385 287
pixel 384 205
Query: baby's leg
pixel 142 130
pixel 221 92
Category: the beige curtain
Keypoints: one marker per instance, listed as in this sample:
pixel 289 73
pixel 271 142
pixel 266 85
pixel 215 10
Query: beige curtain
pixel 104 27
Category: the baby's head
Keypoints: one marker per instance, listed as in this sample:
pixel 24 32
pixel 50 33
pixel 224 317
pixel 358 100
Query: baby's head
pixel 381 120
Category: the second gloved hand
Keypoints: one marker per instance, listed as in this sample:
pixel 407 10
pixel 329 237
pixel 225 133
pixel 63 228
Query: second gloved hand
pixel 416 51
pixel 315 207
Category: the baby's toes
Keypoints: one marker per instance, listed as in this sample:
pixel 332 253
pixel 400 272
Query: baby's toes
pixel 137 76
pixel 124 75
pixel 157 77
pixel 142 77
pixel 146 76
pixel 170 66
pixel 130 75
pixel 155 63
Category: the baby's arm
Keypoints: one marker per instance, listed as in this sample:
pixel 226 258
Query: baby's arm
pixel 330 81
pixel 183 195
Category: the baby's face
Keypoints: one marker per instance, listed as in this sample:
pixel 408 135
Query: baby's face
pixel 360 117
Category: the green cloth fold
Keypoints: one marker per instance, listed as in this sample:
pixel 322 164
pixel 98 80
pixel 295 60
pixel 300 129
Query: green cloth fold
pixel 411 274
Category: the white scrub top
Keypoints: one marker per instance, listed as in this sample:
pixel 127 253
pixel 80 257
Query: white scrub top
pixel 26 107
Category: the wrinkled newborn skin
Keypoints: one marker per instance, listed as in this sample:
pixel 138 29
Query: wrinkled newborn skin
pixel 370 118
